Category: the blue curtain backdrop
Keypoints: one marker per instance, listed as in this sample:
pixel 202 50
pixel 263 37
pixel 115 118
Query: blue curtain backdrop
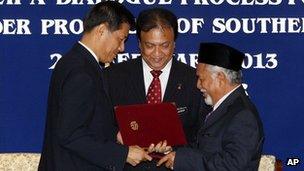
pixel 35 33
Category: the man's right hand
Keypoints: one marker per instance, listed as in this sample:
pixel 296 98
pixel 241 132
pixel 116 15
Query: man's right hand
pixel 136 155
pixel 160 147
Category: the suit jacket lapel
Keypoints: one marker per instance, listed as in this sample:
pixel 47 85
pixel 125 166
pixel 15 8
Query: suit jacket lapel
pixel 138 84
pixel 222 109
pixel 173 85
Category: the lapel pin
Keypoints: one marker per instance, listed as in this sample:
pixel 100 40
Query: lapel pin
pixel 179 86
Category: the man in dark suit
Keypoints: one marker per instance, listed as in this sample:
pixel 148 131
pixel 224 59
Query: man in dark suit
pixel 130 82
pixel 231 137
pixel 80 132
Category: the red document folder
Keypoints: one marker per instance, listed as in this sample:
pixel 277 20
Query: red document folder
pixel 150 123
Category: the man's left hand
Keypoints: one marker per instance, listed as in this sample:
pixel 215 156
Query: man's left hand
pixel 168 160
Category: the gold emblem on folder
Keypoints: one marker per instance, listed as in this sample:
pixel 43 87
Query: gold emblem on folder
pixel 134 125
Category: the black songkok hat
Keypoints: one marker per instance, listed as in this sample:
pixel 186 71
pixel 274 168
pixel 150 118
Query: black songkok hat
pixel 220 55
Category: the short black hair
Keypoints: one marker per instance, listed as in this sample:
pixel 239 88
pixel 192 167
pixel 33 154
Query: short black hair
pixel 155 17
pixel 111 12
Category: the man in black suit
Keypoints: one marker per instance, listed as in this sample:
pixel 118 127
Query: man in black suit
pixel 80 132
pixel 231 137
pixel 130 82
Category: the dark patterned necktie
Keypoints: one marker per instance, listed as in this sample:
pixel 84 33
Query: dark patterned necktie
pixel 154 92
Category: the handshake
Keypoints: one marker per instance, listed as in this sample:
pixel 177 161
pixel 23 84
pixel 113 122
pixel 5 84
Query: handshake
pixel 137 154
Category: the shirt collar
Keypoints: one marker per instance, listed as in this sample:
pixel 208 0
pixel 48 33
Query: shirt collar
pixel 90 50
pixel 166 69
pixel 218 103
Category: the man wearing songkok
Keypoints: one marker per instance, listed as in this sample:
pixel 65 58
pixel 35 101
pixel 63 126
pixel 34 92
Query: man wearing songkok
pixel 231 137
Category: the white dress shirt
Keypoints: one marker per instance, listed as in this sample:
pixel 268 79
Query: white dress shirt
pixel 164 76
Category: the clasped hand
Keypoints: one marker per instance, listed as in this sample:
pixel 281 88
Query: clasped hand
pixel 137 154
